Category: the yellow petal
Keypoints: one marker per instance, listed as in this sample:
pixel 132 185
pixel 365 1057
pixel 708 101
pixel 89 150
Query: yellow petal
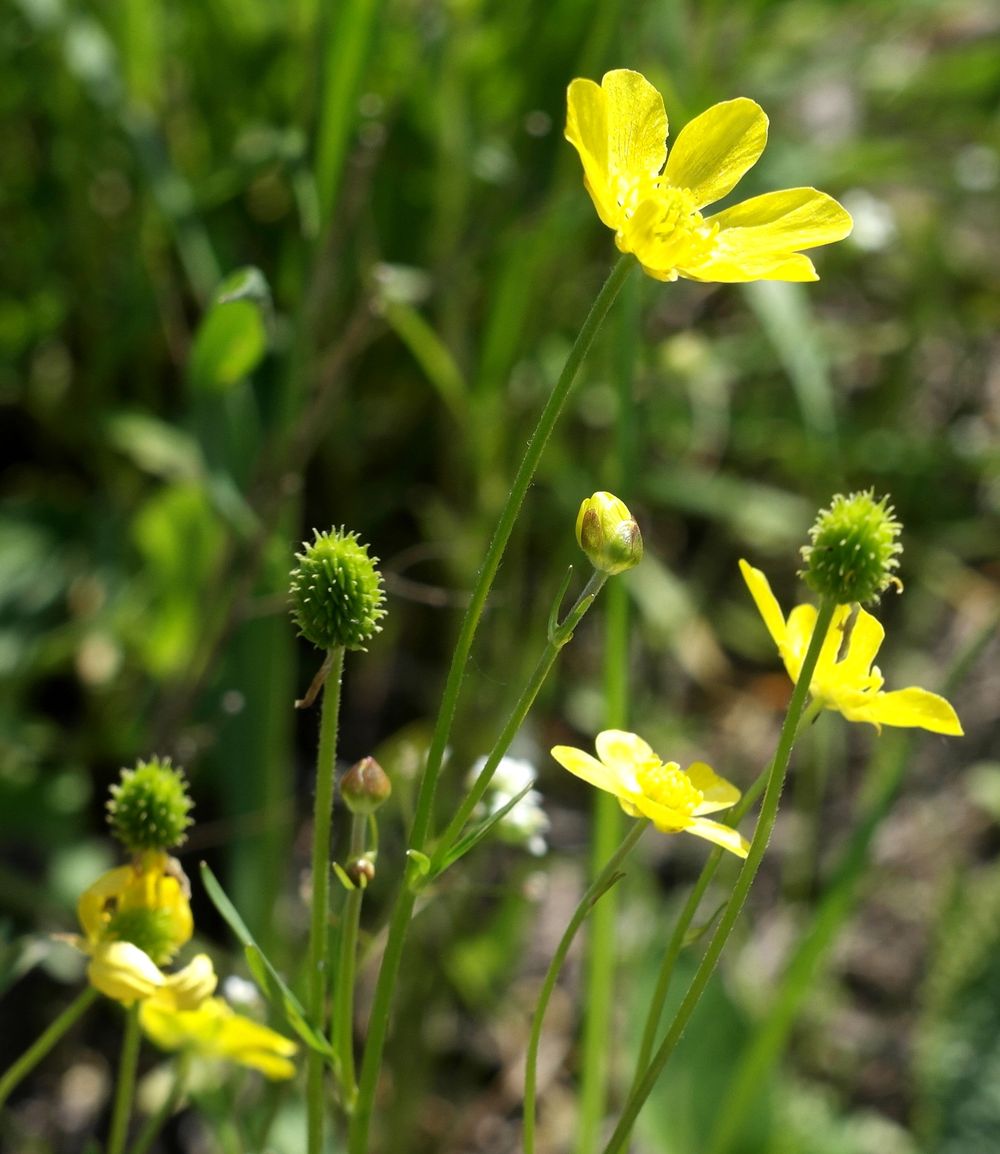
pixel 716 791
pixel 92 908
pixel 587 131
pixel 725 268
pixel 801 625
pixel 911 708
pixel 619 128
pixel 714 150
pixel 586 767
pixel 122 971
pixel 863 645
pixel 720 834
pixel 189 987
pixel 636 124
pixel 766 602
pixel 621 752
pixel 215 1031
pixel 665 819
pixel 779 224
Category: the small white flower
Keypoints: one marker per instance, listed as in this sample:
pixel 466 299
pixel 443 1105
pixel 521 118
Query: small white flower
pixel 527 823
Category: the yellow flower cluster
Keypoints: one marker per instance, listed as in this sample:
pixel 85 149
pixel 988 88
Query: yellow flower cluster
pixel 135 918
pixel 653 201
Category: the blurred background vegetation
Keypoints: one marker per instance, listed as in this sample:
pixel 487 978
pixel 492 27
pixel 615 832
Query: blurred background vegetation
pixel 269 266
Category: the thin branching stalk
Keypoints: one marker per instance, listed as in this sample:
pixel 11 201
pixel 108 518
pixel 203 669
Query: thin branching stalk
pixel 23 1066
pixel 421 828
pixel 343 1000
pixel 319 931
pixel 762 834
pixel 601 884
pixel 121 1111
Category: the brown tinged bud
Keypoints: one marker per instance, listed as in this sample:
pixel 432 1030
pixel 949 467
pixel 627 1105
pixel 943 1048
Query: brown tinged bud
pixel 365 786
pixel 361 871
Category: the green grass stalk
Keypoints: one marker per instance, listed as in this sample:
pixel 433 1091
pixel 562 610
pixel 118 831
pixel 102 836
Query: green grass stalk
pixel 762 834
pixel 343 1000
pixel 319 932
pixel 121 1111
pixel 608 818
pixel 23 1066
pixel 608 876
pixel 420 831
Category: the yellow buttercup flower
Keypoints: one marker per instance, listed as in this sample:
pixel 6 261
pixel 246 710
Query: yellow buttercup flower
pixel 850 684
pixel 654 201
pixel 674 800
pixel 215 1030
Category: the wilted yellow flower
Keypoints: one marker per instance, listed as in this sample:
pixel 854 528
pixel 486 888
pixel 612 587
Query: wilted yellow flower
pixel 145 903
pixel 851 685
pixel 135 918
pixel 120 970
pixel 619 128
pixel 214 1030
pixel 674 800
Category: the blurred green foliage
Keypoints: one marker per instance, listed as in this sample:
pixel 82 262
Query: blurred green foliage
pixel 269 266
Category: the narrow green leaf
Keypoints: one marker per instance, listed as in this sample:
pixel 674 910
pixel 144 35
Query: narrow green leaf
pixel 232 338
pixel 266 976
pixel 473 838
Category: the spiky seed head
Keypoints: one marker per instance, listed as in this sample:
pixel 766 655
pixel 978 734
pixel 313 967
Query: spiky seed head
pixel 336 591
pixel 149 807
pixel 854 549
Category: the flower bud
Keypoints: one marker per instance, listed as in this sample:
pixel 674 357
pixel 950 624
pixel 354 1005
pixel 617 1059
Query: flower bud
pixel 854 549
pixel 149 807
pixel 361 871
pixel 365 786
pixel 336 591
pixel 608 534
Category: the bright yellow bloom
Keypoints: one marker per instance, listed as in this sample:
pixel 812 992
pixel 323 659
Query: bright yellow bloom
pixel 122 971
pixel 619 128
pixel 674 800
pixel 214 1030
pixel 852 684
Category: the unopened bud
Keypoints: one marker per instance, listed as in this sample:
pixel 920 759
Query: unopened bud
pixel 608 534
pixel 365 786
pixel 854 549
pixel 361 871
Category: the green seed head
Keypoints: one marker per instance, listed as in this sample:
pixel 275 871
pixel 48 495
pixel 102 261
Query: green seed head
pixel 149 807
pixel 608 533
pixel 336 591
pixel 854 549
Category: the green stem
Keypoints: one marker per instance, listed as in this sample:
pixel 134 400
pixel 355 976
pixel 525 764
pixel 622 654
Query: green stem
pixel 607 878
pixel 343 999
pixel 125 1087
pixel 599 973
pixel 882 785
pixel 558 637
pixel 45 1041
pixel 677 938
pixel 762 834
pixel 166 1110
pixel 420 831
pixel 319 931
